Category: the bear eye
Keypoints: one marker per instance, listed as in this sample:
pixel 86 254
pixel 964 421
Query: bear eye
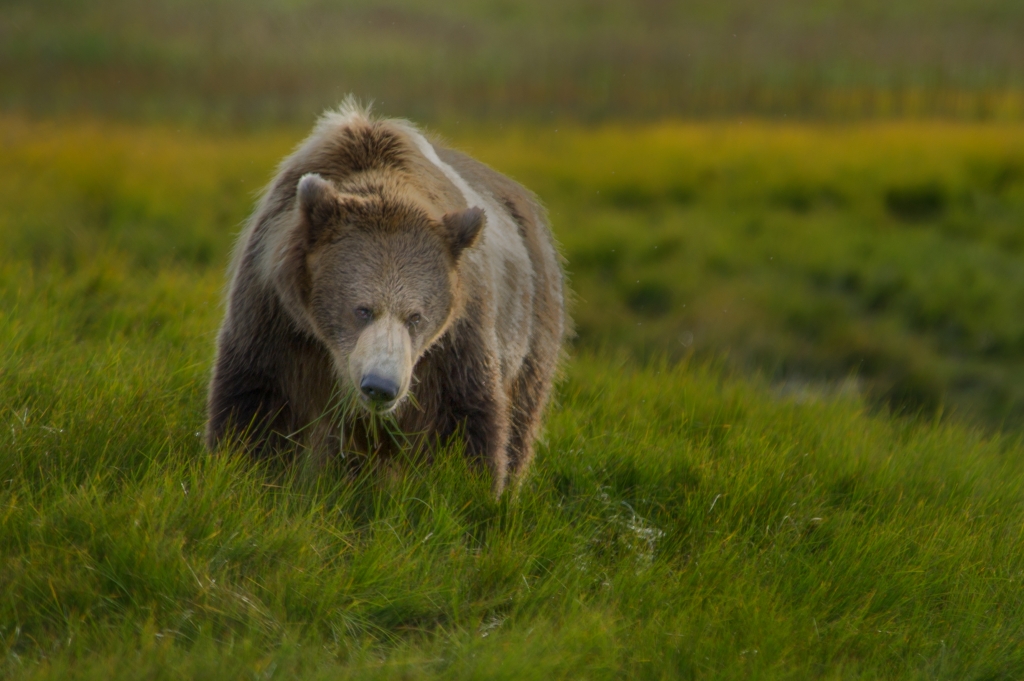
pixel 364 313
pixel 413 320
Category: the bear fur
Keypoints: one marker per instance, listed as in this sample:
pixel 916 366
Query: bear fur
pixel 379 265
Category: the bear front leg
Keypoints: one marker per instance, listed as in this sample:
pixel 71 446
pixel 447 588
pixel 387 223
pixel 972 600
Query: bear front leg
pixel 462 384
pixel 244 408
pixel 530 393
pixel 483 416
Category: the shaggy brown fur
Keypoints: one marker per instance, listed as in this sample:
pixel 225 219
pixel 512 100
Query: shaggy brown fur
pixel 379 265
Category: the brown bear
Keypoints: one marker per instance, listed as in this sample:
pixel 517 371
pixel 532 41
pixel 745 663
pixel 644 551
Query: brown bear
pixel 383 276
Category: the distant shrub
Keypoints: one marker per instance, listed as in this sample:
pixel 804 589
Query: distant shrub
pixel 651 299
pixel 801 198
pixel 998 176
pixel 796 198
pixel 681 193
pixel 911 392
pixel 664 249
pixel 603 259
pixel 916 202
pixel 1007 174
pixel 630 196
pixel 882 290
pixel 633 195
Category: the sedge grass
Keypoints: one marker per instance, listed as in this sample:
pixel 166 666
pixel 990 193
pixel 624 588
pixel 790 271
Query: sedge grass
pixel 679 521
pixel 682 519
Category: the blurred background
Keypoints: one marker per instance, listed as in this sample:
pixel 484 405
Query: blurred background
pixel 829 194
pixel 265 61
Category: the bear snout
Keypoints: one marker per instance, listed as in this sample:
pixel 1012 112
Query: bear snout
pixel 380 366
pixel 379 390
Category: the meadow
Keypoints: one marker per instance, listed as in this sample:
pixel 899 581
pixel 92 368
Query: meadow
pixel 786 445
pixel 884 257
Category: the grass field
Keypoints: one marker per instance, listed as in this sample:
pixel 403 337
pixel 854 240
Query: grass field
pixel 787 444
pixel 887 254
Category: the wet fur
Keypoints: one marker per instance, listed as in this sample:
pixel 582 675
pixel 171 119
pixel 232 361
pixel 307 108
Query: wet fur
pixel 484 375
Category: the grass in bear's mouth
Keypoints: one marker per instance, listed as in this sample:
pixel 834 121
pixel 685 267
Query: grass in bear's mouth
pixel 680 521
pixel 381 426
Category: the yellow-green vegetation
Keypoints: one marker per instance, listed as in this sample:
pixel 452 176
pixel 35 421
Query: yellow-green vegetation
pixel 891 252
pixel 683 519
pixel 888 254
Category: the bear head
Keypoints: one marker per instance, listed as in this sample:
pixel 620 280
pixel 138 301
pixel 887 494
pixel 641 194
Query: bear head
pixel 375 280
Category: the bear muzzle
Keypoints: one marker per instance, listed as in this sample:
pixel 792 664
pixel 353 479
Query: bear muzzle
pixel 380 366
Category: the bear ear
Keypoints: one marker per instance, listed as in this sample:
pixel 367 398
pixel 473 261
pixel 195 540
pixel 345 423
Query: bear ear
pixel 462 228
pixel 321 205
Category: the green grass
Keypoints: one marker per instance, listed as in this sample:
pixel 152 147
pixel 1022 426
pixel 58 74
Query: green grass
pixel 746 510
pixel 679 522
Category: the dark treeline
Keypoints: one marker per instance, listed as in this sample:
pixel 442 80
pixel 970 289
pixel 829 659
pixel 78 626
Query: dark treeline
pixel 270 61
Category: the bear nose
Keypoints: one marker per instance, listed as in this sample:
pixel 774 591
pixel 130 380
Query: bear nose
pixel 378 388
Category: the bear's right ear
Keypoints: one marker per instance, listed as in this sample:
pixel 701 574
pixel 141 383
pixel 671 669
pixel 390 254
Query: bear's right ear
pixel 319 204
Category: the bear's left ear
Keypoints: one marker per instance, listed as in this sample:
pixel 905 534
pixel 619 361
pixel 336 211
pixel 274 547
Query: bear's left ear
pixel 463 227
